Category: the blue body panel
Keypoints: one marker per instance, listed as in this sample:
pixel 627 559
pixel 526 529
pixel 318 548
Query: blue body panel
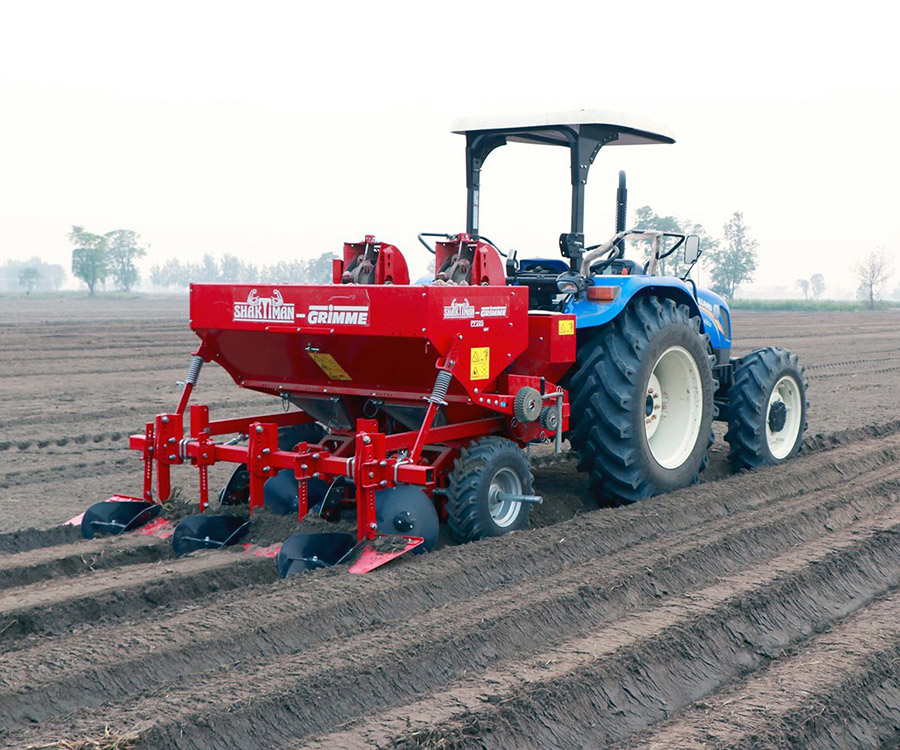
pixel 712 309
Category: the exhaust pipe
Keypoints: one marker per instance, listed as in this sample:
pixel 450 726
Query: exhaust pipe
pixel 621 210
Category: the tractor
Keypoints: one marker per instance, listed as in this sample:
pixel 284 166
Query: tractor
pixel 411 405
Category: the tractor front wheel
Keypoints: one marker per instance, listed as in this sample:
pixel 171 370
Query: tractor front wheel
pixel 484 473
pixel 642 402
pixel 766 409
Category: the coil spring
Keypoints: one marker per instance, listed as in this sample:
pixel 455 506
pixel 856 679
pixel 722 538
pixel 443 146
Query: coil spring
pixel 439 392
pixel 194 369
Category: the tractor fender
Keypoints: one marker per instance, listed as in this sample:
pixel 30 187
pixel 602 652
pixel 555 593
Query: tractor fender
pixel 709 307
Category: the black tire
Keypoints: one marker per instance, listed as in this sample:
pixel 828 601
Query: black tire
pixel 468 500
pixel 608 391
pixel 749 411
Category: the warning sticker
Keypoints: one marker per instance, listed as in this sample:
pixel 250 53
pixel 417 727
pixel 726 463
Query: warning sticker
pixel 481 363
pixel 566 327
pixel 329 366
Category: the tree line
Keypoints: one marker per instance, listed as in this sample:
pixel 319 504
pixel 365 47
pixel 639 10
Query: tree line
pixel 32 274
pixel 175 274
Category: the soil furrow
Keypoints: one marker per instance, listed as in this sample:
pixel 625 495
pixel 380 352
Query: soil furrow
pixel 784 705
pixel 736 623
pixel 78 470
pixel 647 574
pixel 604 687
pixel 56 606
pixel 543 551
pixel 80 558
pixel 513 611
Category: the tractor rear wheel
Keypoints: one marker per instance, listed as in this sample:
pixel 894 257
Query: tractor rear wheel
pixel 766 409
pixel 642 402
pixel 485 469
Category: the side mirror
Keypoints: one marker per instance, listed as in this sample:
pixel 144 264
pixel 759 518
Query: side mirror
pixel 691 249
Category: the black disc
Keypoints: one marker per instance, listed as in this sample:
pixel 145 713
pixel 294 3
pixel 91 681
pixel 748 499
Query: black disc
pixel 208 532
pixel 407 511
pixel 281 492
pixel 237 491
pixel 302 552
pixel 114 517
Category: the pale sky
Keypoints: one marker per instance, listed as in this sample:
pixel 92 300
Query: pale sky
pixel 276 130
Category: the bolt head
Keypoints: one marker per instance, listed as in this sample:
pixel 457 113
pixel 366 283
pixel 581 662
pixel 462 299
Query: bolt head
pixel 367 439
pixel 259 429
pixel 165 420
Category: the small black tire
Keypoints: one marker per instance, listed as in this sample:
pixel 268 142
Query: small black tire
pixel 609 394
pixel 764 427
pixel 489 461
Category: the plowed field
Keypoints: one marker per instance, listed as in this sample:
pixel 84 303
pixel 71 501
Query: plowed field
pixel 751 611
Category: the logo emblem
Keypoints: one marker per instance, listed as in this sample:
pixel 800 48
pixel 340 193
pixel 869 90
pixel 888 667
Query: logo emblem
pixel 457 310
pixel 264 309
pixel 338 315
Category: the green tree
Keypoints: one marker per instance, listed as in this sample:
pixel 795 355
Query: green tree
pixel 122 250
pixel 735 260
pixel 89 257
pixel 207 272
pixel 319 270
pixel 293 271
pixel 817 285
pixel 236 270
pixel 29 277
pixel 171 274
pixel 646 218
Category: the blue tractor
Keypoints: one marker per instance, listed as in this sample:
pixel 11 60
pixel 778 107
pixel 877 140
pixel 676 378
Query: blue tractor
pixel 654 365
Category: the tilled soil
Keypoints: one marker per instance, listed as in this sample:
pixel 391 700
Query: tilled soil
pixel 756 610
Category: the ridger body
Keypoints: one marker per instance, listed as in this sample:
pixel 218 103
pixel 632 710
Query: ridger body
pixel 414 403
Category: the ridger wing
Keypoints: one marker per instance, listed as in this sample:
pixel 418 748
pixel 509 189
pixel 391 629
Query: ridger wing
pixel 407 406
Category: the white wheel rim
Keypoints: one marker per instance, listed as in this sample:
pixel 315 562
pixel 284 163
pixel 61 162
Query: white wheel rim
pixel 504 513
pixel 673 407
pixel 784 401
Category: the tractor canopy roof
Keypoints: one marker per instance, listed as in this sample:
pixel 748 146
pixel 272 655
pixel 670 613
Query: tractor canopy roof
pixel 558 128
pixel 584 132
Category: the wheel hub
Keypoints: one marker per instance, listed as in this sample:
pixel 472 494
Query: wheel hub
pixel 504 512
pixel 777 416
pixel 653 406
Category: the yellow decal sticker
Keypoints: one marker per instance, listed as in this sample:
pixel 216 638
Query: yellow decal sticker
pixel 329 366
pixel 481 363
pixel 566 327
